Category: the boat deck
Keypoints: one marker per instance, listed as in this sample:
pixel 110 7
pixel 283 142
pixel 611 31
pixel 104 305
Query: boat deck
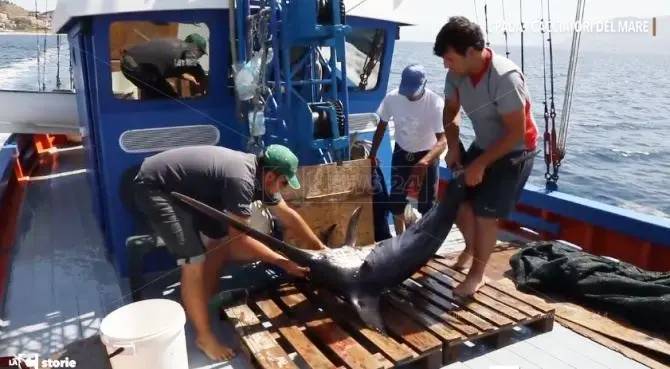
pixel 62 285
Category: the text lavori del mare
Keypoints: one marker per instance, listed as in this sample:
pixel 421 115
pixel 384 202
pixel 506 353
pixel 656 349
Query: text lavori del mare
pixel 610 26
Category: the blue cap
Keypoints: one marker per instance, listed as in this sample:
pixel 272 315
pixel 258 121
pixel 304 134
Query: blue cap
pixel 413 80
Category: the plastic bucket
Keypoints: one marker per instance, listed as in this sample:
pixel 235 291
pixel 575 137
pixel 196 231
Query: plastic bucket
pixel 147 334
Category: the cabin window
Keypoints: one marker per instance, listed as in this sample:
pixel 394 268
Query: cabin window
pixel 365 49
pixel 159 60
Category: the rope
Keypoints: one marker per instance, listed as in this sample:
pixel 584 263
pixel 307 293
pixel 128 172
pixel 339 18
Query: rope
pixel 486 23
pixel 570 82
pixel 502 4
pixel 258 33
pixel 474 2
pixel 71 73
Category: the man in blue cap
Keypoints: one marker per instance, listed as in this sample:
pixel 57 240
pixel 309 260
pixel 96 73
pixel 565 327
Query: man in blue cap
pixel 419 141
pixel 224 179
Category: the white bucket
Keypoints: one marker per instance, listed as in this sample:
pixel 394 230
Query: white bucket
pixel 149 332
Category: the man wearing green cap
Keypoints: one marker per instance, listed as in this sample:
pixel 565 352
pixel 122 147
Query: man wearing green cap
pixel 224 179
pixel 149 65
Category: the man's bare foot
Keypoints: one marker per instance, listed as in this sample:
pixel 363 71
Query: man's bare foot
pixel 214 350
pixel 469 286
pixel 462 261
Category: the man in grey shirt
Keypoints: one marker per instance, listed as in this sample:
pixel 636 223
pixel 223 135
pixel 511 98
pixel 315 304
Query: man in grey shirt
pixel 224 179
pixel 491 90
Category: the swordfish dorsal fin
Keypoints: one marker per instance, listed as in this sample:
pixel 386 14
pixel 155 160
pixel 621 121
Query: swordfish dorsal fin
pixel 352 228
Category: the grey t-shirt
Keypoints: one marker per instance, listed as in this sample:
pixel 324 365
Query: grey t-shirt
pixel 220 177
pixel 499 90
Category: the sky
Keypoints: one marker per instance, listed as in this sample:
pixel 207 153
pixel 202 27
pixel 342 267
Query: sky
pixel 429 15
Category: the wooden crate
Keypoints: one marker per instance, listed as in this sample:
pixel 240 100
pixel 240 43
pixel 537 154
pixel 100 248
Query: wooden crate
pixel 427 325
pixel 329 194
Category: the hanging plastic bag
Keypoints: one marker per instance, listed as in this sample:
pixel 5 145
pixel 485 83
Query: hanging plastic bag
pixel 247 76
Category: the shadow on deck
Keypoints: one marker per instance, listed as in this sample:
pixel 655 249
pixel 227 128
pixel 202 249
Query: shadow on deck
pixel 61 282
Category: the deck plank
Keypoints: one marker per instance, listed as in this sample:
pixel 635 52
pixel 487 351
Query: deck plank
pixel 487 293
pixel 259 342
pixel 536 356
pixel 57 274
pixel 294 335
pixel 329 332
pixel 594 351
pixel 552 345
pixel 62 284
pixel 396 351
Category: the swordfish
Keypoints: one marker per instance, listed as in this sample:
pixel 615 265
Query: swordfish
pixel 361 275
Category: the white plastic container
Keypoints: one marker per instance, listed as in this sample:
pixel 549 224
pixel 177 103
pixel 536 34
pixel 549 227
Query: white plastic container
pixel 151 334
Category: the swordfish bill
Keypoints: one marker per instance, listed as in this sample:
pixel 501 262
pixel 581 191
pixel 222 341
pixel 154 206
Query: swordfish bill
pixel 360 275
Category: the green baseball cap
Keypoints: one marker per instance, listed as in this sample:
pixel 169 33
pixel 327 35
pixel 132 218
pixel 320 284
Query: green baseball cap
pixel 284 162
pixel 198 40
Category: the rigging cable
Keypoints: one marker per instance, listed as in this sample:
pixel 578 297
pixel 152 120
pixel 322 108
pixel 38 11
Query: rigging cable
pixel 486 23
pixel 522 29
pixel 37 35
pixel 474 2
pixel 44 49
pixel 551 181
pixel 58 84
pixel 371 58
pixel 71 55
pixel 547 149
pixel 502 4
pixel 570 82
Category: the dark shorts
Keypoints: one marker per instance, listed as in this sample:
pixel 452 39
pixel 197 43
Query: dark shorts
pixel 148 79
pixel 496 196
pixel 174 223
pixel 402 163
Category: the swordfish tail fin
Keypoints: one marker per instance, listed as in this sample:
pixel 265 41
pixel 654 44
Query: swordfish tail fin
pixel 293 253
pixel 368 309
pixel 396 259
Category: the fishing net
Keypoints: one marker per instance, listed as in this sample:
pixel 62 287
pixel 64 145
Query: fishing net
pixel 617 288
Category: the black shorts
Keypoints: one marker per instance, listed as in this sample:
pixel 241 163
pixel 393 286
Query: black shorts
pixel 174 223
pixel 496 196
pixel 402 164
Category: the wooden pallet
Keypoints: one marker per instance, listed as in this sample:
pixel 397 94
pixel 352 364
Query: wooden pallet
pixel 427 325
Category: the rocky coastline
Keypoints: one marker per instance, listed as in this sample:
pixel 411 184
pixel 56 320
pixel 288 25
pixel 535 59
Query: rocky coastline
pixel 15 19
